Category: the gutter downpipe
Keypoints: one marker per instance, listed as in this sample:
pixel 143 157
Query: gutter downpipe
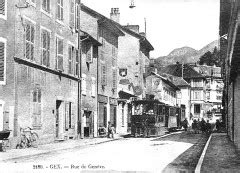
pixel 79 121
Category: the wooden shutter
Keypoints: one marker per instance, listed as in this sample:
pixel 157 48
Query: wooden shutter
pixel 77 16
pixel 48 48
pixel 89 53
pixel 2 7
pixel 84 84
pixel 32 42
pixel 104 74
pixel 66 115
pixel 72 15
pixel 70 59
pixel 77 64
pixel 2 59
pixel 114 78
pixel 93 87
pixel 28 38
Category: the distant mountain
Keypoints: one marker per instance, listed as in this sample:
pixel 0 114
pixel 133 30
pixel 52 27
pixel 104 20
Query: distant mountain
pixel 185 54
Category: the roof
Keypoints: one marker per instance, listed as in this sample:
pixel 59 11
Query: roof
pixel 85 36
pixel 178 81
pixel 116 26
pixel 209 71
pixel 103 20
pixel 176 70
pixel 166 80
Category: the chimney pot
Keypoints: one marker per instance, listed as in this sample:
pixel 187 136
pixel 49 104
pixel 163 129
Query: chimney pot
pixel 115 15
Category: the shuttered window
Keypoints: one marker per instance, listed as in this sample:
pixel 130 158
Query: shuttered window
pixel 77 16
pixel 71 55
pixel 60 10
pixel 104 75
pixel 2 61
pixel 3 8
pixel 72 14
pixel 29 40
pixel 77 63
pixel 36 106
pixel 59 54
pixel 93 90
pixel 46 5
pixel 84 84
pixel 45 47
pixel 89 53
pixel 114 79
pixel 68 115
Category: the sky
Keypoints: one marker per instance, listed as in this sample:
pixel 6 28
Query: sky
pixel 170 24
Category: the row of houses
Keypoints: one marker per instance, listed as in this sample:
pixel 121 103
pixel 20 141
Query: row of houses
pixel 198 89
pixel 66 70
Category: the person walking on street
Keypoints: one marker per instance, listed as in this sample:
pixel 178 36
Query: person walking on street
pixel 110 130
pixel 203 125
pixel 185 124
pixel 195 126
pixel 208 127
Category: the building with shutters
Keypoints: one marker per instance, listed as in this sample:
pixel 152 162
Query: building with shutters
pixel 89 62
pixel 107 33
pixel 198 105
pixel 133 56
pixel 39 68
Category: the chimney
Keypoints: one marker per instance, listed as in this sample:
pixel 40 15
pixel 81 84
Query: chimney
pixel 115 15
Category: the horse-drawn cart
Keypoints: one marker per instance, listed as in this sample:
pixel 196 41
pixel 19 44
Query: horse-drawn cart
pixel 4 141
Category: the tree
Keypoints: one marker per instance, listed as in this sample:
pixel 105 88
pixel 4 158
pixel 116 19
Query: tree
pixel 211 58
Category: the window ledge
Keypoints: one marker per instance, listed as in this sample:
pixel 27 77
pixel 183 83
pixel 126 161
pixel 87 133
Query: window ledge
pixel 60 22
pixel 46 13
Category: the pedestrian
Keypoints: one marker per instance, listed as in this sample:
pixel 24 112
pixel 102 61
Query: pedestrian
pixel 203 125
pixel 110 130
pixel 218 124
pixel 208 127
pixel 185 124
pixel 198 126
pixel 195 126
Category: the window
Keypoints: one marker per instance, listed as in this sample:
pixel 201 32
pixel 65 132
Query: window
pixel 93 93
pixel 59 53
pixel 104 75
pixel 197 108
pixel 46 5
pixel 219 97
pixel 114 79
pixel 77 16
pixel 29 40
pixel 208 95
pixel 45 47
pixel 72 14
pixel 89 51
pixel 84 84
pixel 36 106
pixel 77 63
pixel 60 10
pixel 3 44
pixel 197 83
pixel 71 55
pixel 68 115
pixel 3 9
pixel 197 95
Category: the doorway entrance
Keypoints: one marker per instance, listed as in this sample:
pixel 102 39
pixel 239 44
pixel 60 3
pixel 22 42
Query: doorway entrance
pixel 59 115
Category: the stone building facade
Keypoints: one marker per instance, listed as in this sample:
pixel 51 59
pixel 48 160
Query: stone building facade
pixel 39 68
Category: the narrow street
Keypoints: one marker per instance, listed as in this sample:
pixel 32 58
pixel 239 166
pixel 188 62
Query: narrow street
pixel 177 151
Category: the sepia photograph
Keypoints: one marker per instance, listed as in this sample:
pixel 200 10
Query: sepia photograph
pixel 119 86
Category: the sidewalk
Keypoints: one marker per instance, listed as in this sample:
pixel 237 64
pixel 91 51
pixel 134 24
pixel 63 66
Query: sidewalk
pixel 56 146
pixel 221 155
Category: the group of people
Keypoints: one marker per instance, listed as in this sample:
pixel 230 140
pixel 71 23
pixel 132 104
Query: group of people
pixel 201 126
pixel 198 126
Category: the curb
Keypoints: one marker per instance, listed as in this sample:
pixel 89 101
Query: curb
pixel 61 149
pixel 200 161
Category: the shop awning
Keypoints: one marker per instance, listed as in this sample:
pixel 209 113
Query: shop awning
pixel 125 95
